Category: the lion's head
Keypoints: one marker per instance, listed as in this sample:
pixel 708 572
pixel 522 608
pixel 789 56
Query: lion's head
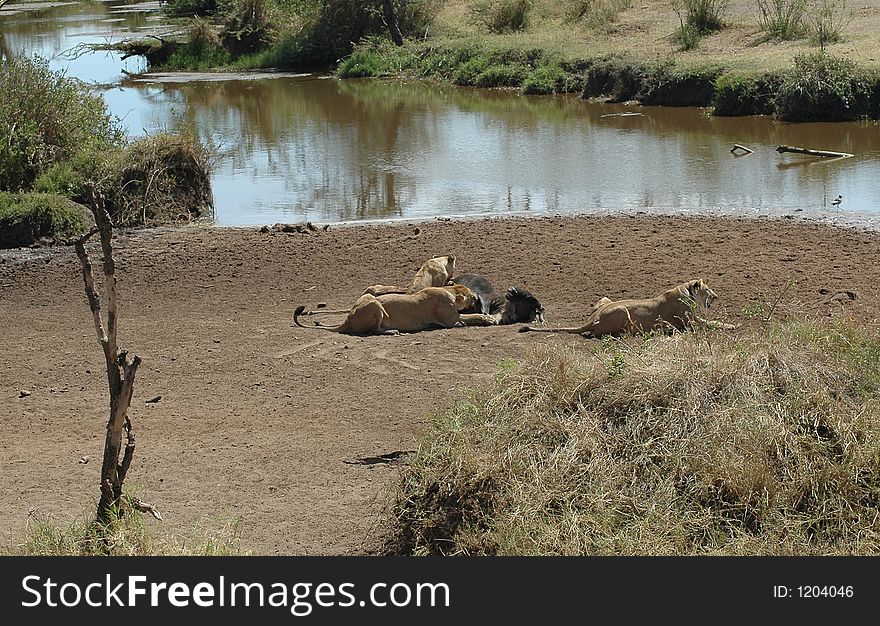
pixel 698 290
pixel 464 297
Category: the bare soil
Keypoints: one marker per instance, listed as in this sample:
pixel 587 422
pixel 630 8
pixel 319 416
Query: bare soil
pixel 282 426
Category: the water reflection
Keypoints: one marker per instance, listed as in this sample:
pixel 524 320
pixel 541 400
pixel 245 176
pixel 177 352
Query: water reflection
pixel 316 148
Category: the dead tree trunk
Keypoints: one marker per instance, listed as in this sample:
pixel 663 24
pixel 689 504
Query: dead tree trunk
pixel 390 14
pixel 822 153
pixel 121 368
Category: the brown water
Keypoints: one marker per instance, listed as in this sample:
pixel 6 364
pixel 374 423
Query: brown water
pixel 317 148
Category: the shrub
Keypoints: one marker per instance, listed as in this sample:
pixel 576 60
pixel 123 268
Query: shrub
pixel 695 444
pixel 822 87
pixel 191 7
pixel 594 13
pixel 203 48
pixel 501 16
pixel 828 20
pixel 549 78
pixel 159 179
pixel 746 94
pixel 502 76
pixel 376 57
pixel 28 217
pixel 782 19
pixel 705 16
pixel 46 118
pixel 67 177
pixel 248 27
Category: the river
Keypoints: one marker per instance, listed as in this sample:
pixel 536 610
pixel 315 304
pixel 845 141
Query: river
pixel 292 148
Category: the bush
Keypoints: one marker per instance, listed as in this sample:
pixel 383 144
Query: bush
pixel 594 13
pixel 705 16
pixel 746 94
pixel 248 27
pixel 202 50
pixel 502 76
pixel 159 179
pixel 501 16
pixel 822 87
pixel 695 444
pixel 376 57
pixel 828 20
pixel 782 19
pixel 28 217
pixel 46 118
pixel 191 7
pixel 549 78
pixel 339 24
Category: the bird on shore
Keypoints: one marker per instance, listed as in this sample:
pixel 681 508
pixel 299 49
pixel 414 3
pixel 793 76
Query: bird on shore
pixel 836 202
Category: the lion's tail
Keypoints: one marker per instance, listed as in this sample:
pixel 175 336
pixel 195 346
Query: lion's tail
pixel 300 310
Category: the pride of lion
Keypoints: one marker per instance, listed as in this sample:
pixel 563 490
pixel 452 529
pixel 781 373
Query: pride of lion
pixel 436 298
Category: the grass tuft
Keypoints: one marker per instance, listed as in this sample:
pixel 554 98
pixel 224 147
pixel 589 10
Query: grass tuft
pixel 695 444
pixel 126 535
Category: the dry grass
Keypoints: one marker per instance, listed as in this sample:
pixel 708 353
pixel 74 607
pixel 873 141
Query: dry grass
pixel 160 179
pixel 766 443
pixel 124 536
pixel 647 29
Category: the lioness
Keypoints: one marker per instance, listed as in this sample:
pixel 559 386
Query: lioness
pixel 394 313
pixel 674 309
pixel 435 272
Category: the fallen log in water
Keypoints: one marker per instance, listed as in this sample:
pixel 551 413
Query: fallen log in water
pixel 822 153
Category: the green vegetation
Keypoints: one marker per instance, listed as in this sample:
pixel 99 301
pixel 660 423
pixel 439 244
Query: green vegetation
pixel 125 535
pixel 739 93
pixel 46 118
pixel 55 135
pixel 824 88
pixel 828 20
pixel 698 18
pixel 782 19
pixel 598 48
pixel 765 443
pixel 29 217
pixel 501 16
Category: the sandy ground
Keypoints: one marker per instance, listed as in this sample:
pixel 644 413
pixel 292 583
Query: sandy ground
pixel 275 424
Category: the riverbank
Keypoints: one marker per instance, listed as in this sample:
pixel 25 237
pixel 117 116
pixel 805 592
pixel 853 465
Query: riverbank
pixel 806 62
pixel 284 427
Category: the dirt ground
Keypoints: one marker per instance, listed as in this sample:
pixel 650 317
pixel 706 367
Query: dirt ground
pixel 276 424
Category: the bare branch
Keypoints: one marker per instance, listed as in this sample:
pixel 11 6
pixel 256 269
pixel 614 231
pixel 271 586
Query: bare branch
pixel 93 297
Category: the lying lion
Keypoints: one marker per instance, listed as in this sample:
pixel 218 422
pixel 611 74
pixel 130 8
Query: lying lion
pixel 673 309
pixel 435 272
pixel 391 314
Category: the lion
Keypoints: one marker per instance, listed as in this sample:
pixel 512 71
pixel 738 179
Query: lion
pixel 435 272
pixel 392 314
pixel 673 309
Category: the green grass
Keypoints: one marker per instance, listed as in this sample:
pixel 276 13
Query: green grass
pixel 760 443
pixel 28 217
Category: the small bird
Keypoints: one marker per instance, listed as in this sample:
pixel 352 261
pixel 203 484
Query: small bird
pixel 836 202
